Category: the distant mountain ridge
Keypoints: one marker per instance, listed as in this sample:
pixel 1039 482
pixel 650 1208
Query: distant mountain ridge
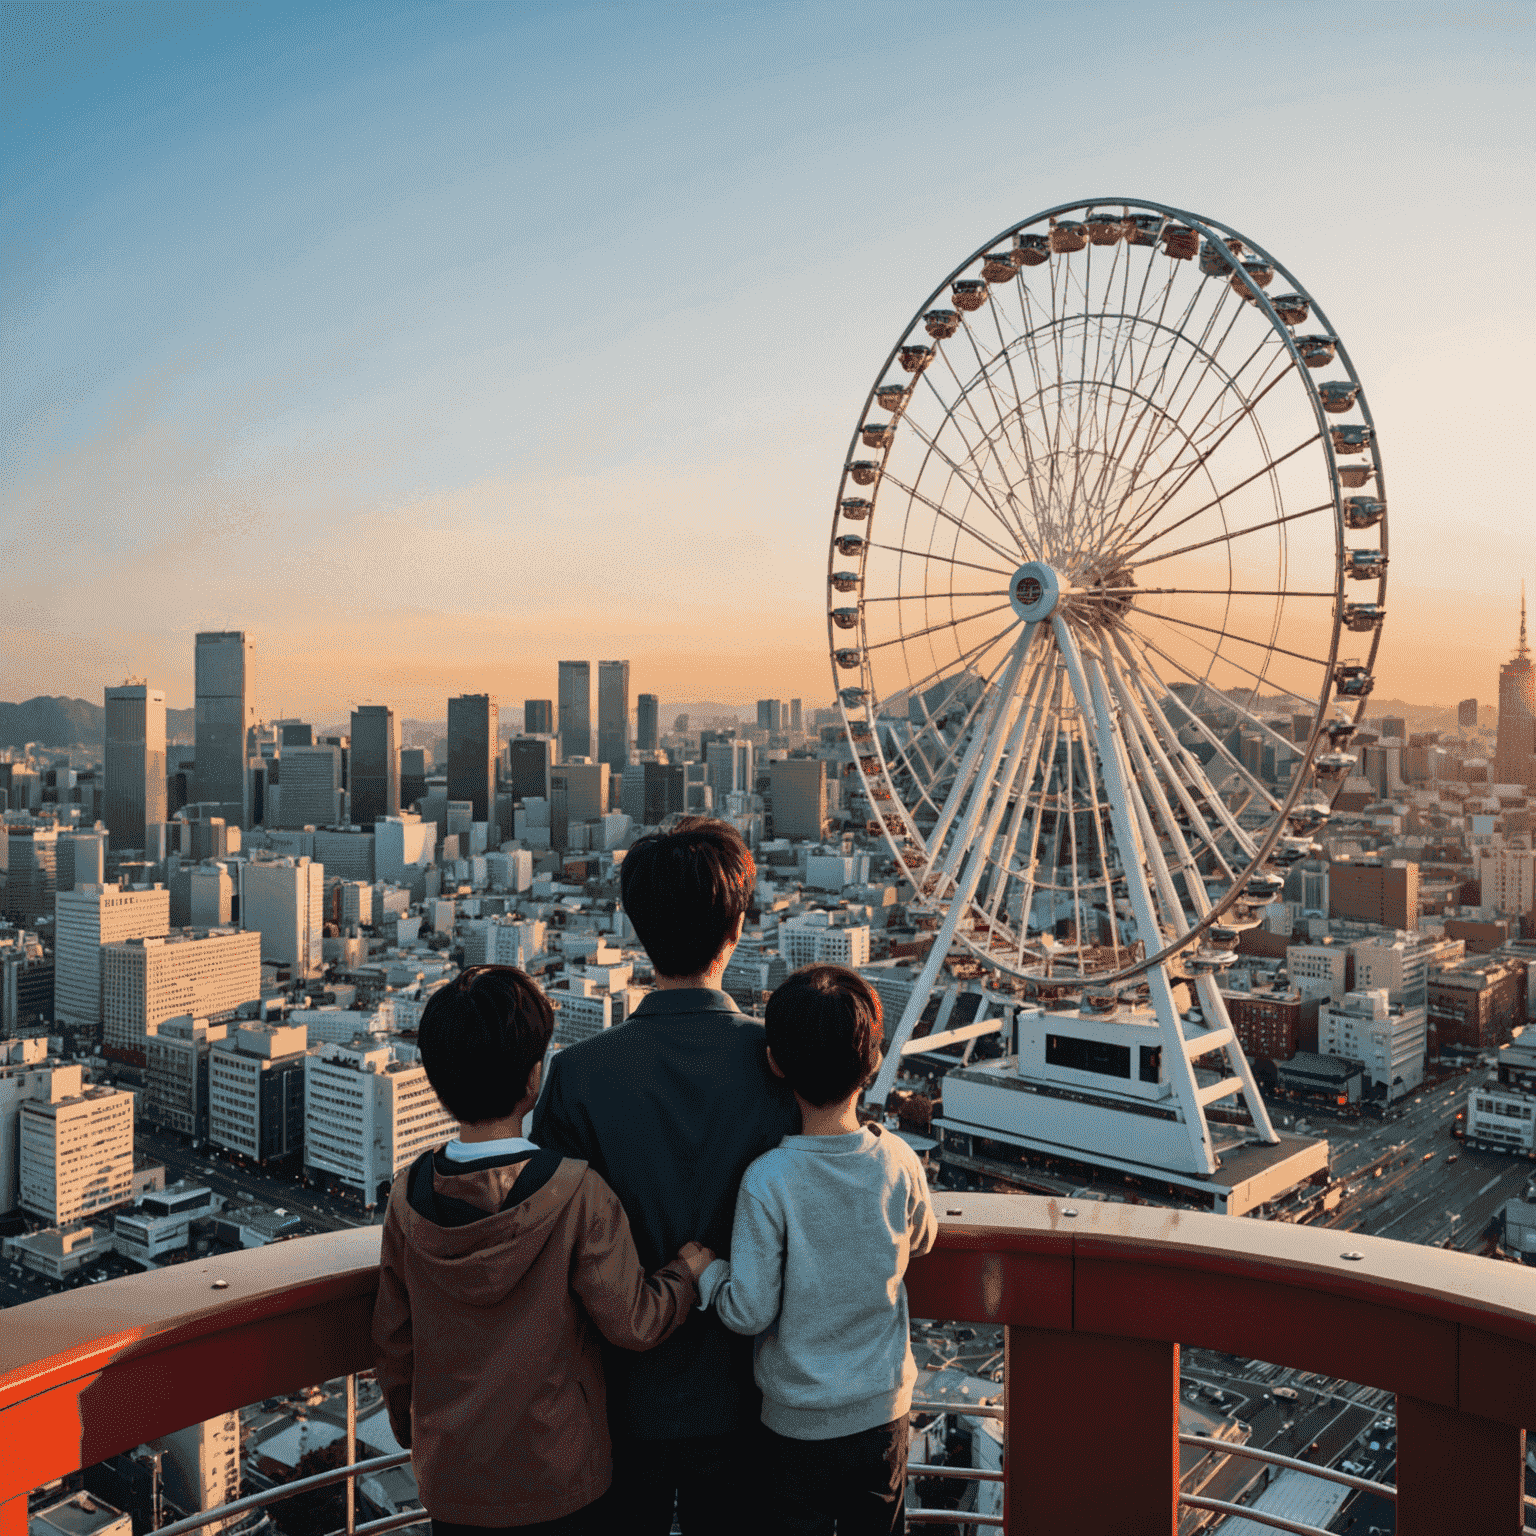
pixel 55 722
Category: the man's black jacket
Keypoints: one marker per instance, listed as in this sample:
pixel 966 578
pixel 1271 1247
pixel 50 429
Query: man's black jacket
pixel 669 1108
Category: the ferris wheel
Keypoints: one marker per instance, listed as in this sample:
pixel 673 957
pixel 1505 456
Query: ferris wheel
pixel 1106 581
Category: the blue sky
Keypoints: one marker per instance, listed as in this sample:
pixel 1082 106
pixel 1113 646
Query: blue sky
pixel 431 343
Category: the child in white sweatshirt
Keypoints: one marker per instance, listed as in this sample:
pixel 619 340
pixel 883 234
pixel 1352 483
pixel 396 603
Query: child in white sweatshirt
pixel 825 1224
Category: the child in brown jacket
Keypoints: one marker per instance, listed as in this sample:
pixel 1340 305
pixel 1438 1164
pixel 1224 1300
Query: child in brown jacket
pixel 502 1265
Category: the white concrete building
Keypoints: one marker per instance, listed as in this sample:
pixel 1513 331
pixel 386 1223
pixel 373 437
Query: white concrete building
pixel 76 1150
pixel 1318 971
pixel 502 941
pixel 1508 879
pixel 147 981
pixel 356 904
pixel 368 1113
pixel 55 1253
pixel 210 896
pixel 1389 1038
pixel 815 939
pixel 284 901
pixel 89 917
pixel 1399 963
pixel 26 1072
pixel 1501 1117
pixel 256 1090
pixel 202 1466
pixel 580 1012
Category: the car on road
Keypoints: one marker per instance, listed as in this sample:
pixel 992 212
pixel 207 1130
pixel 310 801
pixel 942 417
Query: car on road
pixel 1452 1158
pixel 1290 1393
pixel 1428 1156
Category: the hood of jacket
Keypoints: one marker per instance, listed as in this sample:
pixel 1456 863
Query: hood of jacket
pixel 475 1228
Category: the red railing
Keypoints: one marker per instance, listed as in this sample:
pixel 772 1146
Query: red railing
pixel 1095 1299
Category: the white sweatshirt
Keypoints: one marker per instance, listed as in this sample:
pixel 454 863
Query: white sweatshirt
pixel 824 1228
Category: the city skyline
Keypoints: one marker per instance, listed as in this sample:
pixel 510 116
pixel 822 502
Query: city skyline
pixel 210 372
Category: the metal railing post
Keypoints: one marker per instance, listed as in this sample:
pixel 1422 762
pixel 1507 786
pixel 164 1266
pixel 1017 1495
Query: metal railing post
pixel 1068 1397
pixel 1457 1472
pixel 351 1484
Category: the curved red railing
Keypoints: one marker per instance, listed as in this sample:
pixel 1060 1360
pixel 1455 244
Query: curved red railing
pixel 1095 1299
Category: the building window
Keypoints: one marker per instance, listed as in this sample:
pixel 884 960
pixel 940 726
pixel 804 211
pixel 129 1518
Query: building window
pixel 1088 1055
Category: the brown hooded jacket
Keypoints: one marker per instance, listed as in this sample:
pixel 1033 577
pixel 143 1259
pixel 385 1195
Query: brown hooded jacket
pixel 496 1279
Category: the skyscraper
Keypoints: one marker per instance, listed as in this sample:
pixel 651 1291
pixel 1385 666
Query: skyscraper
pixel 375 763
pixel 796 716
pixel 309 787
pixel 473 746
pixel 613 714
pixel 770 716
pixel 1514 756
pixel 224 713
pixel 538 717
pixel 575 709
pixel 134 763
pixel 647 721
pixel 1466 713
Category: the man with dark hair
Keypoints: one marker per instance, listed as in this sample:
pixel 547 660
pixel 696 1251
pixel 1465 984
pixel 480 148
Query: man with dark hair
pixel 670 1109
pixel 825 1225
pixel 497 1260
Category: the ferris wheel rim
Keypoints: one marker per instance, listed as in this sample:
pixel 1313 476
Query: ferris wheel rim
pixel 1219 234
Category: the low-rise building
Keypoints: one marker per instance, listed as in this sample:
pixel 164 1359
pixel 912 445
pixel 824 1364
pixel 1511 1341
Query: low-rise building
pixel 256 1091
pixel 818 938
pixel 79 1514
pixel 1272 1023
pixel 176 1075
pixel 369 1111
pixel 1474 1004
pixel 76 1149
pixel 161 1223
pixel 1387 1037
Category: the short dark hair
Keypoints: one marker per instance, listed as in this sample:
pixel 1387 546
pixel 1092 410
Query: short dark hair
pixel 480 1036
pixel 684 891
pixel 825 1029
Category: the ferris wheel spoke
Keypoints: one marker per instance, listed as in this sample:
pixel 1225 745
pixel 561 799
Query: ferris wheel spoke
pixel 1226 634
pixel 923 554
pixel 1147 514
pixel 977 483
pixel 939 510
pixel 1222 751
pixel 934 629
pixel 1226 537
pixel 1197 352
pixel 933 597
pixel 1138 592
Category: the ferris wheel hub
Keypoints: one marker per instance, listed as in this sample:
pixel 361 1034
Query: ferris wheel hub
pixel 1035 590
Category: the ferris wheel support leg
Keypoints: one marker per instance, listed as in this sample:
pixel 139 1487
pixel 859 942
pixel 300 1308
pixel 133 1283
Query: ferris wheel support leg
pixel 1000 742
pixel 1094 706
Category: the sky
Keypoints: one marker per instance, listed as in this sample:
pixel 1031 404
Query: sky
pixel 430 344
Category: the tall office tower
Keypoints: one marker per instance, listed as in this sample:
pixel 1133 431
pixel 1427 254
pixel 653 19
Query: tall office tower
pixel 575 725
pixel 647 720
pixel 294 733
pixel 284 901
pixel 375 763
pixel 134 763
pixel 87 919
pixel 1514 756
pixel 413 778
pixel 796 716
pixel 76 1150
pixel 651 792
pixel 1394 727
pixel 587 791
pixel 613 714
pixel 1508 879
pixel 310 788
pixel 799 789
pixel 29 873
pixel 538 717
pixel 730 767
pixel 529 759
pixel 144 982
pixel 369 1111
pixel 256 1091
pixel 224 714
pixel 474 744
pixel 770 716
pixel 82 859
pixel 1466 714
